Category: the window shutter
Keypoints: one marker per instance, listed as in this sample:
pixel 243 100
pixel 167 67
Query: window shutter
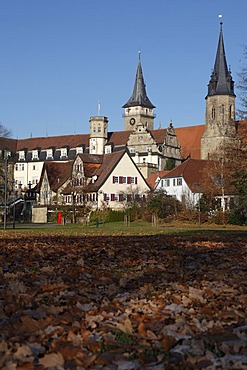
pixel 135 180
pixel 120 197
pixel 128 180
pixel 105 198
pixel 113 179
pixel 120 179
pixel 112 197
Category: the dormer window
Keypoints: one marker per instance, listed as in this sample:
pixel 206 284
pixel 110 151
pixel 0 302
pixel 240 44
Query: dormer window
pixel 79 150
pixel 108 149
pixel 21 155
pixel 64 152
pixel 49 154
pixel 35 154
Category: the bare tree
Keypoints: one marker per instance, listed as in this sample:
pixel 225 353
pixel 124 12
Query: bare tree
pixel 4 132
pixel 242 86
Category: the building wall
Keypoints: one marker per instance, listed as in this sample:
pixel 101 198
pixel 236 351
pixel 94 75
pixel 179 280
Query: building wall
pixel 178 188
pixel 125 168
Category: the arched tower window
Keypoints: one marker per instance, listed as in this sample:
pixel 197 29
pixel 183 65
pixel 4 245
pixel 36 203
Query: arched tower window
pixel 231 112
pixel 223 109
pixel 213 113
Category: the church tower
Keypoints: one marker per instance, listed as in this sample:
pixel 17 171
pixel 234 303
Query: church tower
pixel 220 106
pixel 138 108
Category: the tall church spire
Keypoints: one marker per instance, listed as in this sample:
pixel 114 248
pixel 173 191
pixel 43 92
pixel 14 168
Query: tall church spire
pixel 221 82
pixel 139 109
pixel 139 96
pixel 220 107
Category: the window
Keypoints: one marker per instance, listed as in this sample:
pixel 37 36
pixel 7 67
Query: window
pixel 35 154
pixel 63 152
pixel 49 154
pixel 131 180
pixel 179 181
pixel 174 182
pixel 106 197
pixel 132 150
pixel 167 182
pixel 79 150
pixel 22 154
pixel 108 149
pixel 213 113
pixel 115 180
pixel 114 197
pixel 34 167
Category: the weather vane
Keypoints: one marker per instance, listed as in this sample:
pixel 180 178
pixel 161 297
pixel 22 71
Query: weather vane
pixel 220 16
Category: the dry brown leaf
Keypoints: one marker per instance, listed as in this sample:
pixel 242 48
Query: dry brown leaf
pixel 52 360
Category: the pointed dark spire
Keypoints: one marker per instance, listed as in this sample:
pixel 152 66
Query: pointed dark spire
pixel 221 82
pixel 139 95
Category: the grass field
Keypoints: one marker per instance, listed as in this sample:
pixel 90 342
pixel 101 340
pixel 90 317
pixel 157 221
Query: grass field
pixel 119 228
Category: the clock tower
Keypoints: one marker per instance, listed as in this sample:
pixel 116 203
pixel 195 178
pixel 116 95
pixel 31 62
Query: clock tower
pixel 138 108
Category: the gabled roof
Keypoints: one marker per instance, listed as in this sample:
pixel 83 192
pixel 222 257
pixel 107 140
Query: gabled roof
pixel 57 172
pixel 192 172
pixel 110 161
pixel 139 96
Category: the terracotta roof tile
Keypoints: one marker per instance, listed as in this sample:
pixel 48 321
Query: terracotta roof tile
pixel 151 180
pixel 191 170
pixel 58 173
pixel 190 140
pixel 7 143
pixel 53 141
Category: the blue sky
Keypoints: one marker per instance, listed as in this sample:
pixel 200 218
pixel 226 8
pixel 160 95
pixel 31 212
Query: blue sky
pixel 60 57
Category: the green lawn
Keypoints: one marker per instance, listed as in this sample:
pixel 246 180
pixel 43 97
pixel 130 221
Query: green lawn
pixel 119 228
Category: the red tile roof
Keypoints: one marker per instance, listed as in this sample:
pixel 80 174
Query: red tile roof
pixel 58 173
pixel 151 180
pixel 192 172
pixel 7 143
pixel 190 140
pixel 72 141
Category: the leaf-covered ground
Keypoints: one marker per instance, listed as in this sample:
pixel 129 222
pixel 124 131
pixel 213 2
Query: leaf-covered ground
pixel 123 302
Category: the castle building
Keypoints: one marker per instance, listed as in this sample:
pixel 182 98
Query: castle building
pixel 150 149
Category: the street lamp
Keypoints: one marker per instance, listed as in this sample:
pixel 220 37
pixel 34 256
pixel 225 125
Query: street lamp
pixel 6 158
pixel 14 192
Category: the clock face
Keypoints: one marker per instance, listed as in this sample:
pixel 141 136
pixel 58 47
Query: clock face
pixel 132 121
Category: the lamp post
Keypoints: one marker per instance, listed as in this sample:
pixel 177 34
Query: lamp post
pixel 14 204
pixel 5 192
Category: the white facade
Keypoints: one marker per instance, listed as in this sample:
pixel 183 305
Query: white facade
pixel 177 187
pixel 27 173
pixel 123 181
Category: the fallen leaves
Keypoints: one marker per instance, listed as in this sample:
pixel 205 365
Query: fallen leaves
pixel 152 302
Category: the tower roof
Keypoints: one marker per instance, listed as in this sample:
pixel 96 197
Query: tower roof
pixel 139 95
pixel 221 82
